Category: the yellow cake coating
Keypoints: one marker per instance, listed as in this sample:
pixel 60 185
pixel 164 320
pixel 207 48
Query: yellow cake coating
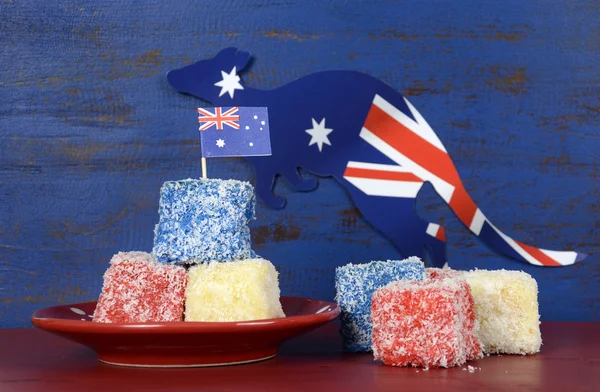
pixel 233 291
pixel 507 311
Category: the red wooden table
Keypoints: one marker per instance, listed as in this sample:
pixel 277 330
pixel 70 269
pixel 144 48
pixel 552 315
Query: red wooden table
pixel 33 360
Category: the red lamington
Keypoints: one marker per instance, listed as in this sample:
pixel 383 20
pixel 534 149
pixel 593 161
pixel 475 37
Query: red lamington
pixel 440 273
pixel 448 273
pixel 427 323
pixel 137 289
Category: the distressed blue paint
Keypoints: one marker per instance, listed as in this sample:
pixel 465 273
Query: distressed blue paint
pixel 90 129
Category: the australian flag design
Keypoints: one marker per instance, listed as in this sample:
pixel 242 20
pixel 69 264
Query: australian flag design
pixel 356 129
pixel 234 131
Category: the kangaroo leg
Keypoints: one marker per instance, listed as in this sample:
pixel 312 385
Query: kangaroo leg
pixel 264 190
pixel 397 219
pixel 385 194
pixel 301 184
pixel 435 242
pixel 263 186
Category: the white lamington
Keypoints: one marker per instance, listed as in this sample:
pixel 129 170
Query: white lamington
pixel 507 311
pixel 237 291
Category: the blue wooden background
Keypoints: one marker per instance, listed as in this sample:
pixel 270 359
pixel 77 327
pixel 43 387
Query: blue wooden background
pixel 89 130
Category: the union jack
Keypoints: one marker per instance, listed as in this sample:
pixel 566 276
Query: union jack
pixel 420 156
pixel 218 118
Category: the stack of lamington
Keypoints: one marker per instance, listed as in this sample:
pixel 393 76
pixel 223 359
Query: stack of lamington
pixel 202 267
pixel 409 315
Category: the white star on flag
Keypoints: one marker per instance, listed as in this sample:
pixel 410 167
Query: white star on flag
pixel 230 83
pixel 220 143
pixel 319 133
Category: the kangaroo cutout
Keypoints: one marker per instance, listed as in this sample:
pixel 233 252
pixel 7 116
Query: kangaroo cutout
pixel 366 135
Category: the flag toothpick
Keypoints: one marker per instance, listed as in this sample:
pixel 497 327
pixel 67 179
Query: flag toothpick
pixel 233 132
pixel 203 167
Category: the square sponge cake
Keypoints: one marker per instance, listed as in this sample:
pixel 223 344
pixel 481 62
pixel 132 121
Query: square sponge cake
pixel 506 305
pixel 425 323
pixel 355 285
pixel 138 289
pixel 204 220
pixel 233 291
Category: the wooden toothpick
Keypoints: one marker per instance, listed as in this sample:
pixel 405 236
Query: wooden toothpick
pixel 203 167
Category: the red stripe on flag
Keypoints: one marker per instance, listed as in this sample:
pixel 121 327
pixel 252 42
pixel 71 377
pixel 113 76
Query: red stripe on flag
pixel 423 154
pixel 205 112
pixel 381 175
pixel 230 111
pixel 232 124
pixel 411 145
pixel 462 204
pixel 539 255
pixel 441 234
pixel 207 125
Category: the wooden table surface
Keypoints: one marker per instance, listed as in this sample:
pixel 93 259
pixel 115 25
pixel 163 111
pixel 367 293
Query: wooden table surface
pixel 33 360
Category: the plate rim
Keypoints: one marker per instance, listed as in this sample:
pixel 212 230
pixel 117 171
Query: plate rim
pixel 183 366
pixel 182 327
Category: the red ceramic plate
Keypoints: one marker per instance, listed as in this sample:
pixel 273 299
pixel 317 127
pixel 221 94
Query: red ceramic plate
pixel 185 344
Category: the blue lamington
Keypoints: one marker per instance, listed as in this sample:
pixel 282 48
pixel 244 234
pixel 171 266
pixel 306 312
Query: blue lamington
pixel 204 220
pixel 355 284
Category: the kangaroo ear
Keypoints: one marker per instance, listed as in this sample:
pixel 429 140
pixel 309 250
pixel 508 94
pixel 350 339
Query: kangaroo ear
pixel 242 59
pixel 239 58
pixel 227 53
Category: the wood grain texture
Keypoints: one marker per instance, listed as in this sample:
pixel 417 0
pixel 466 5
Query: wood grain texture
pixel 90 129
pixel 37 361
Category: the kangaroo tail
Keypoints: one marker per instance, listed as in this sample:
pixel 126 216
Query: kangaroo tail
pixel 412 143
pixel 469 214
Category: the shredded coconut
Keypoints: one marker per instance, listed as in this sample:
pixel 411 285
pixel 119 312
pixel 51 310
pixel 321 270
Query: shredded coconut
pixel 506 305
pixel 234 291
pixel 424 323
pixel 355 285
pixel 204 220
pixel 137 289
pixel 437 273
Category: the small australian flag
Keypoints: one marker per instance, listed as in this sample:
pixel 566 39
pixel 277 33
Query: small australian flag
pixel 234 131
